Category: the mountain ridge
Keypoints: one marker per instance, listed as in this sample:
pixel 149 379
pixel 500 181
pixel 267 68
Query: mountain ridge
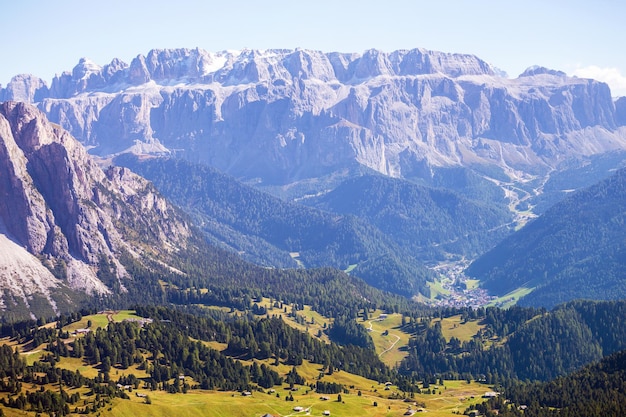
pixel 62 211
pixel 273 114
pixel 268 231
pixel 300 122
pixel 433 223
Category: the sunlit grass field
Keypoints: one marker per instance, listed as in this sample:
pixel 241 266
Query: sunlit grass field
pixel 454 327
pixel 454 396
pixel 389 339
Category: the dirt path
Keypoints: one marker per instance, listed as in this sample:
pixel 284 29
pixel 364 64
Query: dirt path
pixel 370 329
pixel 110 315
pixel 392 345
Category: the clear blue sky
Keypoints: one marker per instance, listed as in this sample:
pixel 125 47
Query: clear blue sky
pixel 587 38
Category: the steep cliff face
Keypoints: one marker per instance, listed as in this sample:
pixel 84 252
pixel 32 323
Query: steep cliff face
pixel 285 115
pixel 26 88
pixel 59 209
pixel 620 111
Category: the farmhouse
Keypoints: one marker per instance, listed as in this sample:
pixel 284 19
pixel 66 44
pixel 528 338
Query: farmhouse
pixel 140 321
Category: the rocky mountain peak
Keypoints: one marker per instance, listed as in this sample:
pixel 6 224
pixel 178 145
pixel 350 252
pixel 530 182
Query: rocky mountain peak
pixel 283 115
pixel 24 87
pixel 58 205
pixel 538 70
pixel 166 66
pixel 31 130
pixel 85 68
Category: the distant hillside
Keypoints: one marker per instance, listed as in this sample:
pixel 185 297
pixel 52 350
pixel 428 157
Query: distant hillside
pixel 431 223
pixel 576 174
pixel 577 249
pixel 299 121
pixel 72 234
pixel 68 229
pixel 597 390
pixel 522 343
pixel 266 230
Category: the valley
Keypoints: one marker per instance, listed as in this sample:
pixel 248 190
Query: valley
pixel 454 289
pixel 383 202
pixel 299 232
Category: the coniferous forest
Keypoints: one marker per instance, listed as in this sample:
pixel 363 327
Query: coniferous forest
pixel 211 323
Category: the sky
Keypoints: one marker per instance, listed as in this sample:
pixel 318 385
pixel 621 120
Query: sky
pixel 582 38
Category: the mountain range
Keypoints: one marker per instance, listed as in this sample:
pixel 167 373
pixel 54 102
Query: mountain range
pixel 283 116
pixel 378 163
pixel 75 234
pixel 272 218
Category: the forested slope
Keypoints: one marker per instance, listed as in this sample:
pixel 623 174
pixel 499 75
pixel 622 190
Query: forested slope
pixel 430 222
pixel 265 229
pixel 521 343
pixel 597 390
pixel 577 249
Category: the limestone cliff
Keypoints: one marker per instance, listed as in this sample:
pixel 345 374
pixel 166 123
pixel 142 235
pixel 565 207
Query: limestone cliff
pixel 285 115
pixel 59 209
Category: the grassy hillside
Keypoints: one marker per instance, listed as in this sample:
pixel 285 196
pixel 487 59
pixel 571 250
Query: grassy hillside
pixel 359 395
pixel 454 396
pixel 389 338
pixel 455 326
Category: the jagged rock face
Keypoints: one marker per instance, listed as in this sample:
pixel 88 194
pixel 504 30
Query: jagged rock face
pixel 58 205
pixel 620 111
pixel 285 115
pixel 26 88
pixel 86 76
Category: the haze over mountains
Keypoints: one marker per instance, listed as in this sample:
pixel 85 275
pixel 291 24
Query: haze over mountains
pixel 287 221
pixel 416 157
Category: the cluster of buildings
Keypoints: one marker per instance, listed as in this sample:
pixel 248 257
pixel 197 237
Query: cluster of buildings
pixel 465 298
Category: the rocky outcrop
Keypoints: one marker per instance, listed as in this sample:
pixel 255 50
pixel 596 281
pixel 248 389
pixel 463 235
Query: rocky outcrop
pixel 620 111
pixel 26 88
pixel 87 76
pixel 285 115
pixel 58 207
